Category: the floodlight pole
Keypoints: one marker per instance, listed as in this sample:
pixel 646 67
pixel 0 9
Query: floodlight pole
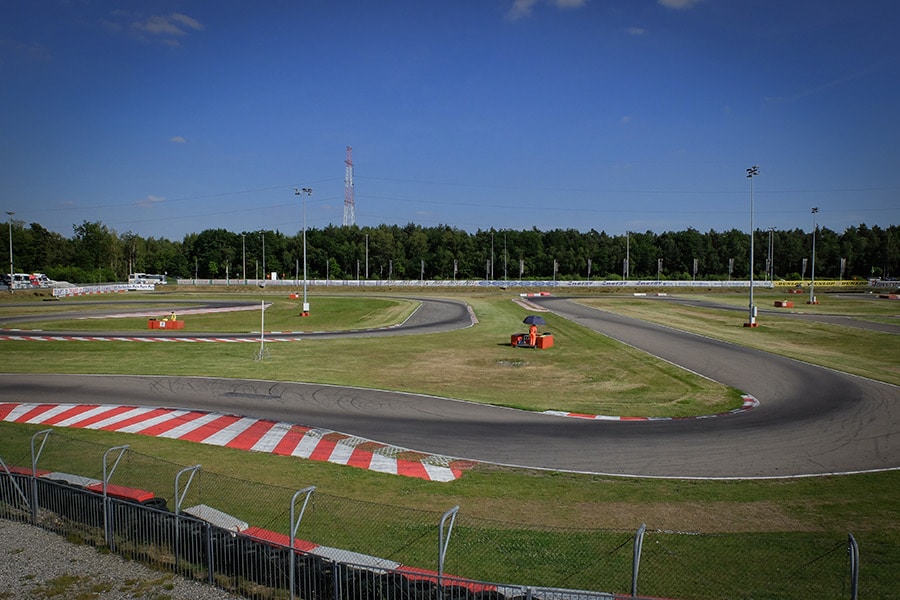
pixel 812 283
pixel 751 173
pixel 11 270
pixel 627 254
pixel 304 192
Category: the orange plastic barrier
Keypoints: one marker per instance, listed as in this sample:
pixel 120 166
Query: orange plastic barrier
pixel 784 304
pixel 545 341
pixel 157 324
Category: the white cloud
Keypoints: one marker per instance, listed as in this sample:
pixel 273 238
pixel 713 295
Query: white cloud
pixel 679 4
pixel 177 139
pixel 635 31
pixel 166 28
pixel 187 21
pixel 520 9
pixel 626 119
pixel 157 25
pixel 150 200
pixel 523 8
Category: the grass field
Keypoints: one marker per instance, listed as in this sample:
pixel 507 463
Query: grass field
pixel 585 371
pixel 777 522
pixel 854 350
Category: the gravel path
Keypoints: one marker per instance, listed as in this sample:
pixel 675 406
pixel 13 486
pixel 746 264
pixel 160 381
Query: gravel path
pixel 35 563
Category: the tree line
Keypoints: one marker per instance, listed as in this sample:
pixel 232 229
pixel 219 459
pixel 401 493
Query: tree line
pixel 95 253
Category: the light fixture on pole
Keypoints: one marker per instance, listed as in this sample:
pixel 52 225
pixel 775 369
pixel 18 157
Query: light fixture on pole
pixel 304 192
pixel 244 258
pixel 11 269
pixel 812 282
pixel 751 173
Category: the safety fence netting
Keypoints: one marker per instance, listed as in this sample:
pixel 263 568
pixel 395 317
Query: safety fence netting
pixel 268 541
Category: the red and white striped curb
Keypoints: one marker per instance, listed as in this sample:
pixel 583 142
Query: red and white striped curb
pixel 233 431
pixel 124 338
pixel 749 403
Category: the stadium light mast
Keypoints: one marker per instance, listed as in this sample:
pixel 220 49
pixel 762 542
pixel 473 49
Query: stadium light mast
pixel 304 192
pixel 812 282
pixel 751 173
pixel 11 270
pixel 244 257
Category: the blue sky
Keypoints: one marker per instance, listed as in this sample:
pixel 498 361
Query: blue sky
pixel 170 117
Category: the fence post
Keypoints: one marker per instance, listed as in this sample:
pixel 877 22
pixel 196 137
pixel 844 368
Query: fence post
pixel 34 460
pixel 107 534
pixel 295 524
pixel 853 549
pixel 444 542
pixel 178 500
pixel 636 564
pixel 13 482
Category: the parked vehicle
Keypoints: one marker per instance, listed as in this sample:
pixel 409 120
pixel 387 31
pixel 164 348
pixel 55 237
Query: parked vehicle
pixel 27 281
pixel 147 278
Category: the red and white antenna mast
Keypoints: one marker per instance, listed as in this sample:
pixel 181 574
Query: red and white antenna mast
pixel 349 205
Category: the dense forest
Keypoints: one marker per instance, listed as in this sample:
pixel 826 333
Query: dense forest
pixel 96 253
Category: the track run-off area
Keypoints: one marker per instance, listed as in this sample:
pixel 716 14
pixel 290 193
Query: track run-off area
pixel 809 420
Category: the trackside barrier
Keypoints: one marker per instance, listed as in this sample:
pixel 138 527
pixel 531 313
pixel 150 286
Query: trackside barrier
pixel 256 552
pixel 493 283
pixel 255 563
pixel 89 290
pixel 548 283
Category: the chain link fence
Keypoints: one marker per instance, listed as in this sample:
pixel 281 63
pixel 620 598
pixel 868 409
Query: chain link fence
pixel 237 534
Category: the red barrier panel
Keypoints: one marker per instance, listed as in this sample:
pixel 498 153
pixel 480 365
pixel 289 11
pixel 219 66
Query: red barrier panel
pixel 121 492
pixel 162 324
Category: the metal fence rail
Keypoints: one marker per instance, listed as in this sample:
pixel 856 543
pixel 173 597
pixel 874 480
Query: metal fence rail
pixel 303 544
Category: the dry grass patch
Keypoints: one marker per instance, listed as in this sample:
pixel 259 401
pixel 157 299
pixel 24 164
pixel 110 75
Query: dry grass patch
pixel 705 517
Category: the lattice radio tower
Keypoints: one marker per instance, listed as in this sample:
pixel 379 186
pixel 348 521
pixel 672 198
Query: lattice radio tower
pixel 349 204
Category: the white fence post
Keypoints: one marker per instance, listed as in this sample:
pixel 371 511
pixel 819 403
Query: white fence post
pixel 107 534
pixel 295 524
pixel 638 545
pixel 443 542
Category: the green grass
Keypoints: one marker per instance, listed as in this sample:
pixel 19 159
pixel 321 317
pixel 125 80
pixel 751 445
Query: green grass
pixel 587 372
pixel 760 539
pixel 333 313
pixel 853 350
pixel 539 528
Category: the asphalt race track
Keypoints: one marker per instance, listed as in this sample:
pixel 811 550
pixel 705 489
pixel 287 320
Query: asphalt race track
pixel 433 315
pixel 810 420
